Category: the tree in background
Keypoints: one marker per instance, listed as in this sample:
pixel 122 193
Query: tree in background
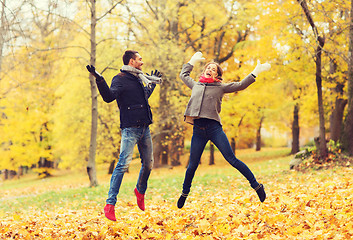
pixel 44 110
pixel 32 74
pixel 320 41
pixel 91 160
pixel 333 20
pixel 158 43
pixel 10 31
pixel 347 137
pixel 181 28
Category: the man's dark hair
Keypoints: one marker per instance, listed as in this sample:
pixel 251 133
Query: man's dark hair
pixel 128 55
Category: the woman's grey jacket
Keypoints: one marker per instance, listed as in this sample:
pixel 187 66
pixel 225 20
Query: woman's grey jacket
pixel 206 98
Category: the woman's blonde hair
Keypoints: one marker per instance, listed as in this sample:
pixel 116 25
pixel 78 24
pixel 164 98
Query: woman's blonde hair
pixel 219 70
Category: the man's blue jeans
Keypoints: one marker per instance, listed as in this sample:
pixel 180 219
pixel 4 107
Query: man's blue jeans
pixel 203 131
pixel 129 138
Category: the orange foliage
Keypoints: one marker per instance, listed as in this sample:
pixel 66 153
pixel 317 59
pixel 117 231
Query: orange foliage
pixel 311 206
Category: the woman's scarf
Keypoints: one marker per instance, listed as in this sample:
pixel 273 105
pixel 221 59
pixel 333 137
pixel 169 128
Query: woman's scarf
pixel 204 79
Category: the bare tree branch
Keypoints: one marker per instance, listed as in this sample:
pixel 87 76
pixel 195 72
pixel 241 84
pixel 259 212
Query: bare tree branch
pixel 208 34
pixel 153 11
pixel 140 24
pixel 109 11
pixel 60 48
pixel 308 16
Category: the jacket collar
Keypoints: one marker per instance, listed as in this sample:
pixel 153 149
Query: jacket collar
pixel 210 84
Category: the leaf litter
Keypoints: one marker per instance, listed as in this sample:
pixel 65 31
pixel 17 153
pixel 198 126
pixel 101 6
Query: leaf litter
pixel 316 205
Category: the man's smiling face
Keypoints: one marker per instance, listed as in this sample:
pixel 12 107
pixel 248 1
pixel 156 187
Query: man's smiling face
pixel 137 62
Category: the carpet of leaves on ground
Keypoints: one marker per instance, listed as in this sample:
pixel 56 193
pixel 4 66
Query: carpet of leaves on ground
pixel 332 161
pixel 315 205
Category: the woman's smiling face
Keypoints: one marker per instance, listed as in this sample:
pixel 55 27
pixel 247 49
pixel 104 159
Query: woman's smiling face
pixel 211 71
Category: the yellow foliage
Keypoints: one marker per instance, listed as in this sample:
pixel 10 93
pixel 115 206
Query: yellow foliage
pixel 51 88
pixel 310 206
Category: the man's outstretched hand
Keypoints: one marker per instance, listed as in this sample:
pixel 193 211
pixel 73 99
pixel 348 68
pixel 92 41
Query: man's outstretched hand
pixel 155 73
pixel 155 77
pixel 91 68
pixel 93 71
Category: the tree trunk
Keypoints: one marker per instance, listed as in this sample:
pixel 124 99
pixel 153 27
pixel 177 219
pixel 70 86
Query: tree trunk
pixel 347 137
pixel 321 42
pixel 112 163
pixel 323 148
pixel 111 167
pixel 160 146
pixel 177 149
pixel 19 172
pixel 295 130
pixel 163 130
pixel 157 149
pixel 211 162
pixel 336 119
pixel 165 153
pixel 258 135
pixel 2 32
pixel 6 174
pixel 91 164
pixel 43 161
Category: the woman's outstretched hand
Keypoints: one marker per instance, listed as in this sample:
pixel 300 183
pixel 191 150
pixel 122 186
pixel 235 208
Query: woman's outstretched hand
pixel 260 68
pixel 197 57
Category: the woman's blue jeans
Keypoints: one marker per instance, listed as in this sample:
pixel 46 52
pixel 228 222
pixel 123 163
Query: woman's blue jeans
pixel 129 138
pixel 203 131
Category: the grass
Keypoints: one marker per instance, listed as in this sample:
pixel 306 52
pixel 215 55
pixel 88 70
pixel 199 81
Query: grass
pixel 69 189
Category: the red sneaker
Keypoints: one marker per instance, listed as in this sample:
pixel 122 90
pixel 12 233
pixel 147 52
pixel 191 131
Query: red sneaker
pixel 140 199
pixel 109 212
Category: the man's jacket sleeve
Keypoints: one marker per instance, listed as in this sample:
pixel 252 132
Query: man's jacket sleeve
pixel 149 91
pixel 108 94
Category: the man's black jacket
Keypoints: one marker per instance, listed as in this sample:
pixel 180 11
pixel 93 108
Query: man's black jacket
pixel 132 98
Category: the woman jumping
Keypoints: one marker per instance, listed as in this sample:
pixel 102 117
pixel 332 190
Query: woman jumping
pixel 203 112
